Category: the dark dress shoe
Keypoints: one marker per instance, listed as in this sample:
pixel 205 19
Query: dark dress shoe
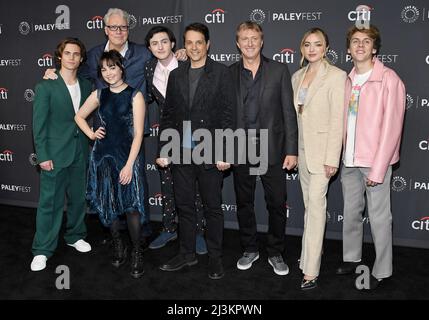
pixel 216 269
pixel 308 284
pixel 178 262
pixel 347 268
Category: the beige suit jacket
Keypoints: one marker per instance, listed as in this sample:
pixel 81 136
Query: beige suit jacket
pixel 321 124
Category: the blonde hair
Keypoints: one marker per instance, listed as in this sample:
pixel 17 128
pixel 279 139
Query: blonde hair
pixel 322 34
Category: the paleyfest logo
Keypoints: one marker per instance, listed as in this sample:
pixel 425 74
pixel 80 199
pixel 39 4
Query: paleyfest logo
pixel 410 14
pixel 332 56
pixel 257 16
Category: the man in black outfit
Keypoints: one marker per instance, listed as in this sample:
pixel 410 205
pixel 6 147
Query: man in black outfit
pixel 199 96
pixel 264 102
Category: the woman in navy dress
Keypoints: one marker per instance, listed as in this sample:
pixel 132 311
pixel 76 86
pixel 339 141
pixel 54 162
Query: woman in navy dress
pixel 116 177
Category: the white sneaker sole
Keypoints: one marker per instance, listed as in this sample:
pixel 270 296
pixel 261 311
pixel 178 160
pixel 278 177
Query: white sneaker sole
pixel 247 266
pixel 280 273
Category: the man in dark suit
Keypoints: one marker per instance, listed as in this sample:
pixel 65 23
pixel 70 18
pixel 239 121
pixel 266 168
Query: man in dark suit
pixel 199 96
pixel 62 150
pixel 161 41
pixel 264 102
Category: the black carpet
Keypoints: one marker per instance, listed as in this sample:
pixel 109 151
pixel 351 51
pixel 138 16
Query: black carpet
pixel 92 277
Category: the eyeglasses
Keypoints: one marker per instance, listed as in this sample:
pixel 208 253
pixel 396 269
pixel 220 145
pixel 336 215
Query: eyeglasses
pixel 116 28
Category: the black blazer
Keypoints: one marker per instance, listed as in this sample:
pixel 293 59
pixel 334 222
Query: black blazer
pixel 213 102
pixel 276 109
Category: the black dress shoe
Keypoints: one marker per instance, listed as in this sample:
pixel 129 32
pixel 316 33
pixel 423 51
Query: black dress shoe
pixel 178 262
pixel 216 269
pixel 347 268
pixel 308 284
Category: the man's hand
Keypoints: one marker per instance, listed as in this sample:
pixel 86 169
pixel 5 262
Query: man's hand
pixel 50 74
pixel 371 183
pixel 222 166
pixel 290 162
pixel 181 55
pixel 162 162
pixel 47 165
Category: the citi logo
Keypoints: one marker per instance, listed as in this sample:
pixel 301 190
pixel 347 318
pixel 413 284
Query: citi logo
pixel 95 22
pixel 3 94
pixel 422 224
pixel 6 156
pixel 216 16
pixel 45 60
pixel 427 59
pixel 156 200
pixel 154 130
pixel 362 13
pixel 288 210
pixel 424 145
pixel 286 55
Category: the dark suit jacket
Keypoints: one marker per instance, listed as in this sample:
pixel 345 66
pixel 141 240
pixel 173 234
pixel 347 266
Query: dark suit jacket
pixel 276 109
pixel 213 102
pixel 54 130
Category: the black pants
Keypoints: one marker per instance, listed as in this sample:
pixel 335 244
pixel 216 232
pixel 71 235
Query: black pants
pixel 210 188
pixel 274 183
pixel 169 206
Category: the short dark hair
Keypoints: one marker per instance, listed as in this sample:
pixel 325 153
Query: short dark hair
pixel 112 57
pixel 371 32
pixel 198 27
pixel 159 29
pixel 60 49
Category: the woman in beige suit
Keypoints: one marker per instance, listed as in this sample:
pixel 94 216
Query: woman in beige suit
pixel 319 102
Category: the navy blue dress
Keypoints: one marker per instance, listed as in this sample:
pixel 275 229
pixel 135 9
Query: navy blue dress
pixel 105 194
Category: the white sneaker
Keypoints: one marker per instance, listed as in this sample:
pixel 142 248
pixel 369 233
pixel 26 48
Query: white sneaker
pixel 81 246
pixel 38 263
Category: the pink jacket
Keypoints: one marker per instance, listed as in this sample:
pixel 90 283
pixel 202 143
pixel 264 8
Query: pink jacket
pixel 379 121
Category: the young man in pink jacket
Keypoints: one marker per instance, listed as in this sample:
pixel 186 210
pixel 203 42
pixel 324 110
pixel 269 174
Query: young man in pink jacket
pixel 374 115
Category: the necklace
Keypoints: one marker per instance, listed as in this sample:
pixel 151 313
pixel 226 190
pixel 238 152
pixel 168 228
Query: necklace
pixel 113 87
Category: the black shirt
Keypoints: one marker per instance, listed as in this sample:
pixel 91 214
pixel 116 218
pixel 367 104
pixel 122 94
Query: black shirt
pixel 250 88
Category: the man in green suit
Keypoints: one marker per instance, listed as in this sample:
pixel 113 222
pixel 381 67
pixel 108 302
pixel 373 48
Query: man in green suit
pixel 62 151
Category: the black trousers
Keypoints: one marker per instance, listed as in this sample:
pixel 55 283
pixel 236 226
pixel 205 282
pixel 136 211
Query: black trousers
pixel 169 206
pixel 274 183
pixel 210 188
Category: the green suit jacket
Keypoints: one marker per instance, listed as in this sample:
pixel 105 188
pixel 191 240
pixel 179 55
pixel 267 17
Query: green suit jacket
pixel 55 132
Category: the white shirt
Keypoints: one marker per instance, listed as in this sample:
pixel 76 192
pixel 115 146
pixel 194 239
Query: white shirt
pixel 122 52
pixel 74 90
pixel 358 82
pixel 161 74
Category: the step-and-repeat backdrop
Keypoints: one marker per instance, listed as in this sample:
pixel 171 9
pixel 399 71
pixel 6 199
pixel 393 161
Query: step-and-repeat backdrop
pixel 30 30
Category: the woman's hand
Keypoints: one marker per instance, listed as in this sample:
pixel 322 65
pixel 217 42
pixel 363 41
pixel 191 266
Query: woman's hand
pixel 98 134
pixel 126 175
pixel 330 171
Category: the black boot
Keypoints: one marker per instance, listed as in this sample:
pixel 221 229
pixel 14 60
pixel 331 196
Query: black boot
pixel 119 251
pixel 137 262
